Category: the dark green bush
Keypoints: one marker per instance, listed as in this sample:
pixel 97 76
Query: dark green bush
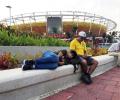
pixel 23 40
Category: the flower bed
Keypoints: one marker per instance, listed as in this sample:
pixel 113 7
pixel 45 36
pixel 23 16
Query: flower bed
pixel 97 52
pixel 14 58
pixel 8 61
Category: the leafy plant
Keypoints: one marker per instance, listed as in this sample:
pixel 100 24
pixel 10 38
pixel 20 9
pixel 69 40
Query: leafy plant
pixel 27 40
pixel 8 61
pixel 97 51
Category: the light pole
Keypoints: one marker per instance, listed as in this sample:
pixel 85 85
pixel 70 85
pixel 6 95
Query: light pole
pixel 9 12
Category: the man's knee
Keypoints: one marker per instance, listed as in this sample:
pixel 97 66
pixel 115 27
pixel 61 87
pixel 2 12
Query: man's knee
pixel 84 62
pixel 95 62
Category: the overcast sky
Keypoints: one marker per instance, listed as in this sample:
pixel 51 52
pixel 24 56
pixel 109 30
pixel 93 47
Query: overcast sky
pixel 107 8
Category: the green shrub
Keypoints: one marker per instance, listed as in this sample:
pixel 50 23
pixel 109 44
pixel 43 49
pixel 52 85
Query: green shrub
pixel 26 40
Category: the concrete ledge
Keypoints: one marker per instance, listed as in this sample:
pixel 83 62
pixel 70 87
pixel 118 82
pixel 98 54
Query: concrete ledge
pixel 16 84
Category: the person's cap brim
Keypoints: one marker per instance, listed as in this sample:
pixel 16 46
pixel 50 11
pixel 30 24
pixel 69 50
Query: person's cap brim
pixel 82 37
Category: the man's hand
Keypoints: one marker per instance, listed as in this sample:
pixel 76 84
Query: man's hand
pixel 85 54
pixel 61 63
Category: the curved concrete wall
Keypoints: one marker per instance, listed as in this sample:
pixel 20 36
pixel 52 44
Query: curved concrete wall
pixel 16 84
pixel 23 52
pixel 29 49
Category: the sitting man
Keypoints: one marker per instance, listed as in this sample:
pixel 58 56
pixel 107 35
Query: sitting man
pixel 114 50
pixel 78 44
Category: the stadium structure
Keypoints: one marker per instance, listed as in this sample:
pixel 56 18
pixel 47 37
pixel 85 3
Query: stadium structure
pixel 51 22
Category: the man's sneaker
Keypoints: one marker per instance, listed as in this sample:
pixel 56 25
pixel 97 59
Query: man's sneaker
pixel 27 67
pixel 89 77
pixel 86 78
pixel 28 62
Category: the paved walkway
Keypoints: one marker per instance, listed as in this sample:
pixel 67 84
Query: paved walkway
pixel 104 87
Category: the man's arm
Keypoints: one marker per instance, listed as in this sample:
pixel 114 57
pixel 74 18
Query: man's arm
pixel 61 63
pixel 85 50
pixel 72 46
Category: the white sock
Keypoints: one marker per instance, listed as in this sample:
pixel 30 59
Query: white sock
pixel 33 66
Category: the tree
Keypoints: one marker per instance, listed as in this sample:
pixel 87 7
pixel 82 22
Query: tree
pixel 114 33
pixel 104 35
pixel 110 37
pixel 74 28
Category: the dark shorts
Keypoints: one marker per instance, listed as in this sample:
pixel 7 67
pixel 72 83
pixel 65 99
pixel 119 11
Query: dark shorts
pixel 89 59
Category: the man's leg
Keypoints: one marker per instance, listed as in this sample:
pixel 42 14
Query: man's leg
pixel 44 60
pixel 93 64
pixel 83 64
pixel 85 77
pixel 47 57
pixel 46 66
pixel 48 61
pixel 38 65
